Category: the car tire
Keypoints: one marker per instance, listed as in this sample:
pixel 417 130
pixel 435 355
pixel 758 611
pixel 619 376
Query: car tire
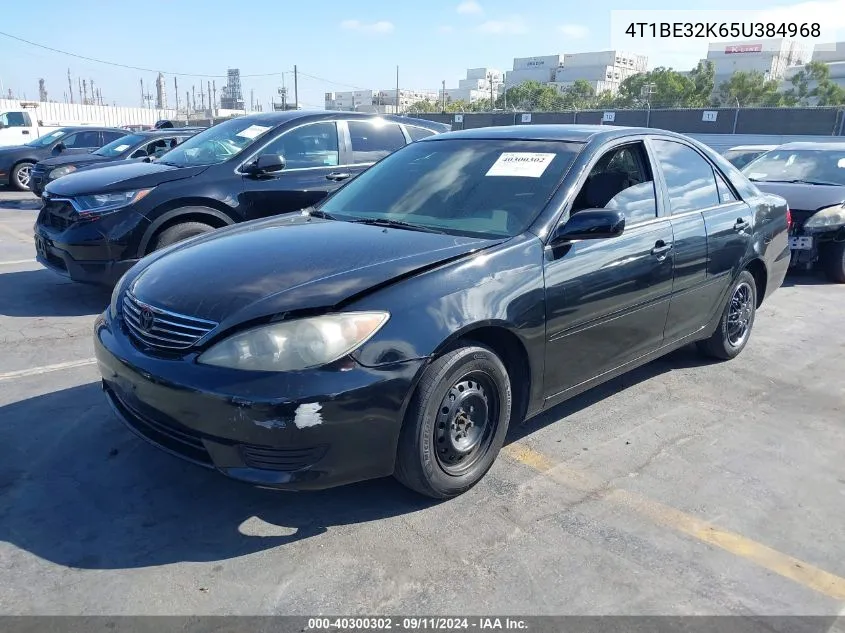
pixel 833 261
pixel 179 232
pixel 21 171
pixel 456 422
pixel 736 322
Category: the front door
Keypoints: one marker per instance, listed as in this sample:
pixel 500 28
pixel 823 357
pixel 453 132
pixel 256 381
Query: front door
pixel 607 299
pixel 313 169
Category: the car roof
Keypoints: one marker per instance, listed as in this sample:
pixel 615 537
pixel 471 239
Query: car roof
pixel 277 118
pixel 168 131
pixel 822 145
pixel 97 128
pixel 556 132
pixel 751 148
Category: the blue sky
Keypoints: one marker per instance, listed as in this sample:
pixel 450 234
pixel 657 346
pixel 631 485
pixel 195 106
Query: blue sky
pixel 345 44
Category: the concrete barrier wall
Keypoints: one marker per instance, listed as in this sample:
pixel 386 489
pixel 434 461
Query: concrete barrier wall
pixel 99 115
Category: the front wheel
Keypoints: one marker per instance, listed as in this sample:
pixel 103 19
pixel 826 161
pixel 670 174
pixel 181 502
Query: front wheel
pixel 21 176
pixel 179 232
pixel 456 423
pixel 833 261
pixel 731 336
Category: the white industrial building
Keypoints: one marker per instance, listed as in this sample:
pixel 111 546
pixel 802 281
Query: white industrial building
pixel 604 70
pixel 479 84
pixel 831 55
pixel 376 101
pixel 770 57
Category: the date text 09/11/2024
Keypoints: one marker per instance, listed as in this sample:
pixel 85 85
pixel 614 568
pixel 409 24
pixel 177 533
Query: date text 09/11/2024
pixel 712 30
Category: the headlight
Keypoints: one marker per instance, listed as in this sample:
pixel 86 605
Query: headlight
pixel 296 345
pixel 828 218
pixel 101 202
pixel 58 172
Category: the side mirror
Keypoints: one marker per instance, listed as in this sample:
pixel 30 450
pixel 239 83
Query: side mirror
pixel 266 164
pixel 139 154
pixel 59 147
pixel 590 224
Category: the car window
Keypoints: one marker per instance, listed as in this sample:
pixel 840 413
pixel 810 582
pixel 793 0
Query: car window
pixel 83 139
pixel 108 137
pixel 417 133
pixel 219 143
pixel 689 177
pixel 725 193
pixel 373 140
pixel 621 180
pixel 311 145
pixel 157 147
pixel 740 158
pixel 120 145
pixel 14 119
pixel 480 187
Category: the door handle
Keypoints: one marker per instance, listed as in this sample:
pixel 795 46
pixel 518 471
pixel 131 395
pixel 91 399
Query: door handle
pixel 661 249
pixel 25 131
pixel 741 225
pixel 338 176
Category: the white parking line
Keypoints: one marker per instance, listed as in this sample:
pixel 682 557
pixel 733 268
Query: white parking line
pixel 35 371
pixel 17 261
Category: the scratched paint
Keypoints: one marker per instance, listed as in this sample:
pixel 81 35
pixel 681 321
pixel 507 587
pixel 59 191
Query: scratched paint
pixel 271 424
pixel 308 414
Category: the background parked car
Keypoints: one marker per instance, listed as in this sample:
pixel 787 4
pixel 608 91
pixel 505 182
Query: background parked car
pixel 95 224
pixel 741 155
pixel 153 143
pixel 811 176
pixel 462 284
pixel 16 163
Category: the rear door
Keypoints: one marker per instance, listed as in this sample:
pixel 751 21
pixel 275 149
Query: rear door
pixel 366 142
pixel 312 155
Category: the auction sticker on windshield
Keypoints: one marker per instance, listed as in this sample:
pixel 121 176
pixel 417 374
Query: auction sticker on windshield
pixel 521 164
pixel 121 148
pixel 252 131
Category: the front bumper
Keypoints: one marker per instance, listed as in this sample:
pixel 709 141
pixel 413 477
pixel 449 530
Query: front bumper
pixel 806 258
pixel 94 252
pixel 296 431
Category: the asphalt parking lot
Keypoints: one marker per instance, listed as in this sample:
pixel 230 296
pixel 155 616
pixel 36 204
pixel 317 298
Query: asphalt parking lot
pixel 686 487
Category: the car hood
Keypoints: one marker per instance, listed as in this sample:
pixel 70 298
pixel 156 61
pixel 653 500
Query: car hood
pixel 121 176
pixel 287 263
pixel 805 197
pixel 74 159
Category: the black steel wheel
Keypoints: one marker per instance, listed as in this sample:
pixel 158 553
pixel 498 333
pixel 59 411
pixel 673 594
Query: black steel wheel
pixel 456 422
pixel 734 329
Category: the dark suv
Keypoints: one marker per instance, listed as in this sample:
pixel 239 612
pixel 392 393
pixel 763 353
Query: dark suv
pixel 137 146
pixel 16 162
pixel 95 224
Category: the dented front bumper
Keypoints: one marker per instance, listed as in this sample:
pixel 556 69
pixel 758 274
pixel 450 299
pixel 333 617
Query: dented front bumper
pixel 300 430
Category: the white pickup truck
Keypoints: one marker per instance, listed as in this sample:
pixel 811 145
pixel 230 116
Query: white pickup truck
pixel 17 127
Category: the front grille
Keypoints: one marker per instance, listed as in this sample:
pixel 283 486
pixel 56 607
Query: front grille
pixel 160 329
pixel 57 214
pixel 799 217
pixel 282 459
pixel 161 431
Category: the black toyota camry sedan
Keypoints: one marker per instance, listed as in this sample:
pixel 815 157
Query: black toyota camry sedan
pixel 461 285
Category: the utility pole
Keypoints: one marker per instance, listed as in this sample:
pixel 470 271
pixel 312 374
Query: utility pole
pixel 397 90
pixel 252 100
pixel 79 85
pixel 142 92
pixel 187 103
pixel 492 100
pixel 176 90
pixel 69 86
pixel 194 97
pixel 210 102
pixel 443 96
pixel 93 99
pixel 295 88
pixel 214 92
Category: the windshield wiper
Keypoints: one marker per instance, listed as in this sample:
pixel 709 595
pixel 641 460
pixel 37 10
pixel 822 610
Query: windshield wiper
pixel 803 181
pixel 398 224
pixel 317 213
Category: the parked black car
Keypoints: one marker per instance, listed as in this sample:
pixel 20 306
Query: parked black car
pixel 811 176
pixel 95 224
pixel 16 162
pixel 153 143
pixel 460 285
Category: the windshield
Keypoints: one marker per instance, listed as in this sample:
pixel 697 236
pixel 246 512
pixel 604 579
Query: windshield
pixel 216 144
pixel 483 188
pixel 47 139
pixel 120 146
pixel 739 158
pixel 784 165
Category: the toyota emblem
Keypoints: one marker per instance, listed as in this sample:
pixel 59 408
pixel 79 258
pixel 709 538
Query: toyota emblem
pixel 146 319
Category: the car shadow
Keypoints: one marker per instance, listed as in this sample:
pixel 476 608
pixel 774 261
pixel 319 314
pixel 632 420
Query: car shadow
pixel 79 490
pixel 43 293
pixel 806 278
pixel 33 204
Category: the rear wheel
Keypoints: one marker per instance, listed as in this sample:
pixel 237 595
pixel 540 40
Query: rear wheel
pixel 21 176
pixel 179 232
pixel 456 423
pixel 833 261
pixel 734 329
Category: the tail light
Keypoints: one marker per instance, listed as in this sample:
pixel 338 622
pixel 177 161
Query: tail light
pixel 788 219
